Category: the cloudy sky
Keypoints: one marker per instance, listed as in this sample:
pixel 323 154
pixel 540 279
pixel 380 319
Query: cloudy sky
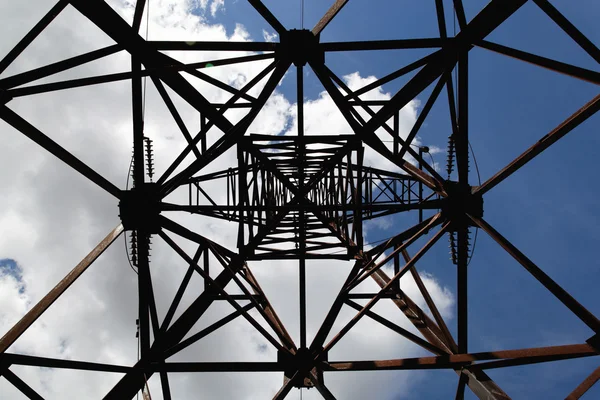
pixel 50 216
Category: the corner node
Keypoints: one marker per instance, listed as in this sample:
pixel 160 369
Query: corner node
pixel 302 363
pixel 460 202
pixel 301 46
pixel 139 208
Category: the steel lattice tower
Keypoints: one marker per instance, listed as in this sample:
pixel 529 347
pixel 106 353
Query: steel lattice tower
pixel 302 197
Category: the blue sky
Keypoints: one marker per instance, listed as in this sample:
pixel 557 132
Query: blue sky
pixel 548 209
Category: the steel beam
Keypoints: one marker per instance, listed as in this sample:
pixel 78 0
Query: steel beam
pixel 54 68
pixel 21 385
pixel 585 385
pixel 268 16
pixel 34 313
pixel 21 359
pixel 55 149
pixel 560 131
pixel 32 34
pixel 552 65
pixel 328 16
pixel 561 294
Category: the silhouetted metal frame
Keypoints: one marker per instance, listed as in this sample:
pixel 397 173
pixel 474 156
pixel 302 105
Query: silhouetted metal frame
pixel 449 53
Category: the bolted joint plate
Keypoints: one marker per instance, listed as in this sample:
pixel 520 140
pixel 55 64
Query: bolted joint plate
pixel 302 362
pixel 460 202
pixel 594 341
pixel 301 46
pixel 139 208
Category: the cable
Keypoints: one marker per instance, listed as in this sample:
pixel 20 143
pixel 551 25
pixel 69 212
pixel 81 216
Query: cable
pixel 432 161
pixel 475 162
pixel 479 179
pixel 302 25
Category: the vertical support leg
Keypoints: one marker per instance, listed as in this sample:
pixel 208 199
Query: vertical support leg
pixel 302 216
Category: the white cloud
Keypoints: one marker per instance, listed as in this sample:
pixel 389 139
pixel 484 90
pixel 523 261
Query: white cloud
pixel 50 216
pixel 215 6
pixel 269 37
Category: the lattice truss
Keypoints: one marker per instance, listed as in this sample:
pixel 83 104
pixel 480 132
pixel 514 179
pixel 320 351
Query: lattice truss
pixel 300 197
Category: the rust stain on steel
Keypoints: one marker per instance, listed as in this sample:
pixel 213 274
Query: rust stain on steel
pixel 585 385
pixel 462 360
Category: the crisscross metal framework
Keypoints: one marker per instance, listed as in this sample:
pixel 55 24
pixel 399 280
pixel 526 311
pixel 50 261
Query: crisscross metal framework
pixel 301 197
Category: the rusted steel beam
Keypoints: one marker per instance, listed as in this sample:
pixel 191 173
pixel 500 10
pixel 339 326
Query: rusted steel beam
pixel 398 329
pixel 585 385
pixel 206 331
pixel 561 294
pixel 286 388
pixel 55 149
pixel 131 382
pixel 570 29
pixel 428 328
pixel 373 265
pixel 328 16
pixel 321 388
pixel 261 303
pixel 334 311
pixel 32 315
pixel 222 291
pixel 271 315
pixel 457 361
pixel 560 131
pixel 552 65
pixel 441 324
pixel 386 288
pixel 478 381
